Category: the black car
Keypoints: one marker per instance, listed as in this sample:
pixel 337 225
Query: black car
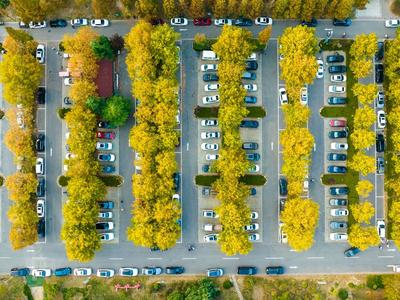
pixel 253 156
pixel 67 101
pixel 380 52
pixel 337 157
pixel 104 124
pixel 336 169
pixel 251 65
pixel 40 95
pixel 282 202
pixel 351 251
pixel 174 270
pixel 157 21
pixel 41 187
pixel 250 99
pixel 379 73
pixel 210 77
pixel 39 143
pixel 103 226
pixel 58 23
pixel 249 124
pixel 337 69
pixel 243 22
pixel 336 58
pixel 176 178
pixel 337 100
pixel 19 272
pixel 380 143
pixel 274 270
pixel 249 146
pixel 283 186
pixel 345 22
pixel 338 134
pixel 312 23
pixel 247 271
pixel 41 228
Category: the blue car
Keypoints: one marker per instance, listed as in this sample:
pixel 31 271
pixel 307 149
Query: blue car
pixel 250 100
pixel 249 75
pixel 253 156
pixel 351 251
pixel 106 204
pixel 249 124
pixel 108 169
pixel 253 191
pixel 338 191
pixel 19 272
pixel 243 22
pixel 63 272
pixel 312 23
pixel 218 272
pixel 337 169
pixel 345 22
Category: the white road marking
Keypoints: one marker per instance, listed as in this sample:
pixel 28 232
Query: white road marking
pixel 272 146
pixel 315 147
pixel 30 250
pixel 39 257
pixel 392 250
pixel 183 29
pixel 352 257
pixel 187 146
pixel 154 258
pixel 189 258
pixel 5 257
pixel 385 256
pixel 315 257
pixel 115 258
pixel 273 258
pixel 230 258
pixel 293 267
pixel 292 250
pixel 51 151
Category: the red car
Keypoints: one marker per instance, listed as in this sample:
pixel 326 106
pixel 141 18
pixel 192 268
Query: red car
pixel 202 21
pixel 108 135
pixel 337 123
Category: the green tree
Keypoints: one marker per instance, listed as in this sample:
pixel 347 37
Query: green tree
pixel 96 104
pixel 21 186
pixel 364 188
pixel 366 93
pixel 203 289
pixel 363 237
pixel 116 110
pixel 362 138
pixel 363 212
pixel 362 163
pixel 361 68
pixel 300 217
pixel 4 4
pixel 264 35
pixel 343 9
pixel 364 46
pixel 364 117
pixel 297 141
pixel 117 43
pixel 102 48
pixel 169 8
pixel 296 114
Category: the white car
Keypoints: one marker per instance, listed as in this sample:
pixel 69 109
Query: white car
pixel 39 166
pixel 37 25
pixel 209 122
pixel 179 21
pixel 252 227
pixel 178 117
pixel 211 87
pixel 105 273
pixel 380 226
pixel 68 81
pixel 41 272
pixel 206 146
pixel 211 156
pixel 40 53
pixel 381 119
pixel 176 197
pixel 128 272
pixel 392 23
pixel 222 22
pixel 83 271
pixel 105 215
pixel 263 21
pixel 99 23
pixel 208 213
pixel 380 99
pixel 208 238
pixel 338 236
pixel 79 22
pixel 339 146
pixel 304 95
pixel 283 98
pixel 40 208
pixel 211 99
pixel 320 71
pixel 339 212
pixel 254 215
pixel 104 146
pixel 108 236
pixel 254 237
pixel 209 67
pixel 337 89
pixel 338 78
pixel 250 87
pixel 254 169
pixel 210 135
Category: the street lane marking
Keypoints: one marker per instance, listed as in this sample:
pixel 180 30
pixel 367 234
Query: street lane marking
pixel 230 258
pixel 154 258
pixel 315 147
pixel 273 258
pixel 315 257
pixel 39 257
pixel 51 151
pixel 5 257
pixel 189 257
pixel 30 250
pixel 183 29
pixel 385 256
pixel 293 267
pixel 272 146
pixel 115 258
pixel 187 146
pixel 392 250
pixel 352 257
pixel 292 250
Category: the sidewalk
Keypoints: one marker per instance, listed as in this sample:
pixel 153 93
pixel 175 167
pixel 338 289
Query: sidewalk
pixel 376 9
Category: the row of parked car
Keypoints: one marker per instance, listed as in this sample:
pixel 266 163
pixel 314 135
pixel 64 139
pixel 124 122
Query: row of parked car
pixel 57 23
pixel 105 145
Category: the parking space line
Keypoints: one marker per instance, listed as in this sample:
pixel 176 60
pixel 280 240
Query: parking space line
pixel 279 152
pixel 293 267
pixel 273 257
pixel 352 257
pixel 189 258
pixel 385 256
pixel 154 258
pixel 315 257
pixel 230 258
pixel 115 258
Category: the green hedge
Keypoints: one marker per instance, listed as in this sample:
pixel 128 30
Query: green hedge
pixel 203 46
pixel 208 180
pixel 62 112
pixel 112 180
pixel 212 112
pixel 1 180
pixel 63 180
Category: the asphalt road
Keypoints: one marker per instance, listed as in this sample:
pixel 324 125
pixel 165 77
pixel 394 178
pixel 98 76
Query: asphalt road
pixel 329 256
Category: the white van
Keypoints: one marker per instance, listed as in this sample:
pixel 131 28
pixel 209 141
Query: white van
pixel 209 55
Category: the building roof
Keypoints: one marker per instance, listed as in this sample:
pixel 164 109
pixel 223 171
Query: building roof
pixel 104 79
